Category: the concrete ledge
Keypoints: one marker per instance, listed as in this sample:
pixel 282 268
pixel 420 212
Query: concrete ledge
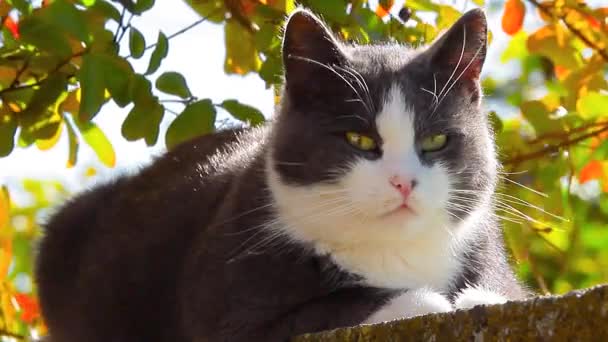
pixel 576 316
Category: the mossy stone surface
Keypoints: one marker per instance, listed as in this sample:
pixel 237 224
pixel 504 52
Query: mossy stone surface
pixel 576 316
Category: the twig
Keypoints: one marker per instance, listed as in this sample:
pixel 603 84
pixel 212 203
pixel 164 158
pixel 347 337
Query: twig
pixel 10 334
pixel 20 72
pixel 567 134
pixel 572 29
pixel 554 148
pixel 122 16
pixel 183 30
pixel 55 69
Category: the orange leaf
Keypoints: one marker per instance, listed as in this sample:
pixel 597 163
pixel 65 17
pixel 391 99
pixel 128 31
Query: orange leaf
pixel 30 310
pixel 593 170
pixel 560 71
pixel 384 8
pixel 593 22
pixel 12 26
pixel 513 16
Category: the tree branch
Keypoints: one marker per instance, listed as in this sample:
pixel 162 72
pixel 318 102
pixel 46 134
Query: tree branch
pixel 554 148
pixel 6 333
pixel 572 29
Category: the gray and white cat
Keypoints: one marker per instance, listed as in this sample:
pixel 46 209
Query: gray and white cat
pixel 368 198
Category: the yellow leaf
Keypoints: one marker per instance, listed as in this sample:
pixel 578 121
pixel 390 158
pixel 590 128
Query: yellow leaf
pixel 6 255
pixel 5 207
pixel 241 55
pixel 553 42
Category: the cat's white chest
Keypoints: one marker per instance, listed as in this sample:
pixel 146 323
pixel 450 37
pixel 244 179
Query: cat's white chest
pixel 398 264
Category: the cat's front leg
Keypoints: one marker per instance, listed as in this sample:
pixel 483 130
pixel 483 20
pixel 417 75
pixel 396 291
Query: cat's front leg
pixel 473 296
pixel 411 303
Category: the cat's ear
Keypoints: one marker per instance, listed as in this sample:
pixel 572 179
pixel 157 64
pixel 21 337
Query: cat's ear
pixel 462 49
pixel 309 51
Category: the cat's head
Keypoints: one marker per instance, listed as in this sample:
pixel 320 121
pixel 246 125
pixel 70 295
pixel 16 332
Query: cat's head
pixel 380 142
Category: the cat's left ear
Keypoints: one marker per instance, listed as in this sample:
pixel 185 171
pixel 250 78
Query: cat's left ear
pixel 309 54
pixel 462 49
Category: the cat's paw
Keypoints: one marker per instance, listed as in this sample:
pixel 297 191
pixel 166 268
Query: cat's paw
pixel 473 296
pixel 411 303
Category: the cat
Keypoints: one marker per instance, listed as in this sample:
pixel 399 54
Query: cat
pixel 367 198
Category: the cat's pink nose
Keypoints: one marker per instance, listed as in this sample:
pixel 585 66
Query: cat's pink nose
pixel 403 185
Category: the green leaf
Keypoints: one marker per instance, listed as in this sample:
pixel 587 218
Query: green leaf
pixel 68 18
pixel 496 122
pixel 197 119
pixel 141 90
pixel 106 10
pixel 98 141
pixel 539 116
pixel 159 53
pixel 334 10
pixel 142 6
pixel 45 36
pixel 593 104
pixel 173 83
pixel 46 95
pixel 90 3
pixel 118 74
pixel 137 43
pixel 8 128
pixel 213 10
pixel 91 76
pixel 22 5
pixel 143 121
pixel 243 112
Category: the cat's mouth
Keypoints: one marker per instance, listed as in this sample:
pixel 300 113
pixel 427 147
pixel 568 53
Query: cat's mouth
pixel 404 210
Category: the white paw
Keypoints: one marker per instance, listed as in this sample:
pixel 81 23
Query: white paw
pixel 412 303
pixel 473 296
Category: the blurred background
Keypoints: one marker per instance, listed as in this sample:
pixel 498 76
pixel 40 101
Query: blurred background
pixel 92 89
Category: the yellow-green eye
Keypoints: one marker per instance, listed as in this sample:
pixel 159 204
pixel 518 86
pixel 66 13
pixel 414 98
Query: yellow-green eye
pixel 360 141
pixel 434 143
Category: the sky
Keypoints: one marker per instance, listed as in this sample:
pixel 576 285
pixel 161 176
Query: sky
pixel 199 55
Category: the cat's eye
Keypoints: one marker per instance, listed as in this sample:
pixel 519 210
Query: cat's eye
pixel 434 143
pixel 360 141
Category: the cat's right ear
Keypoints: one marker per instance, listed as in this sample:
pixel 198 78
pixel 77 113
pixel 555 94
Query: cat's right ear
pixel 309 52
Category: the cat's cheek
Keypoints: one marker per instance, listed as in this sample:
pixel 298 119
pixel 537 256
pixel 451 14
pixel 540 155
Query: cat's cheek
pixel 412 303
pixel 473 296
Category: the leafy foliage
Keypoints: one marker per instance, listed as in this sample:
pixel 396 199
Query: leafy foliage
pixel 60 64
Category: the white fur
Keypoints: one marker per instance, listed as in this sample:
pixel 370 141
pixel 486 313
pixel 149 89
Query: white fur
pixel 354 220
pixel 473 296
pixel 410 304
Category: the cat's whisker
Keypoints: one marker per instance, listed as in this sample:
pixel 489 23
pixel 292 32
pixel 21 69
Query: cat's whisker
pixel 436 99
pixel 278 162
pixel 353 116
pixel 329 68
pixel 460 76
pixel 525 187
pixel 360 80
pixel 515 200
pixel 464 43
